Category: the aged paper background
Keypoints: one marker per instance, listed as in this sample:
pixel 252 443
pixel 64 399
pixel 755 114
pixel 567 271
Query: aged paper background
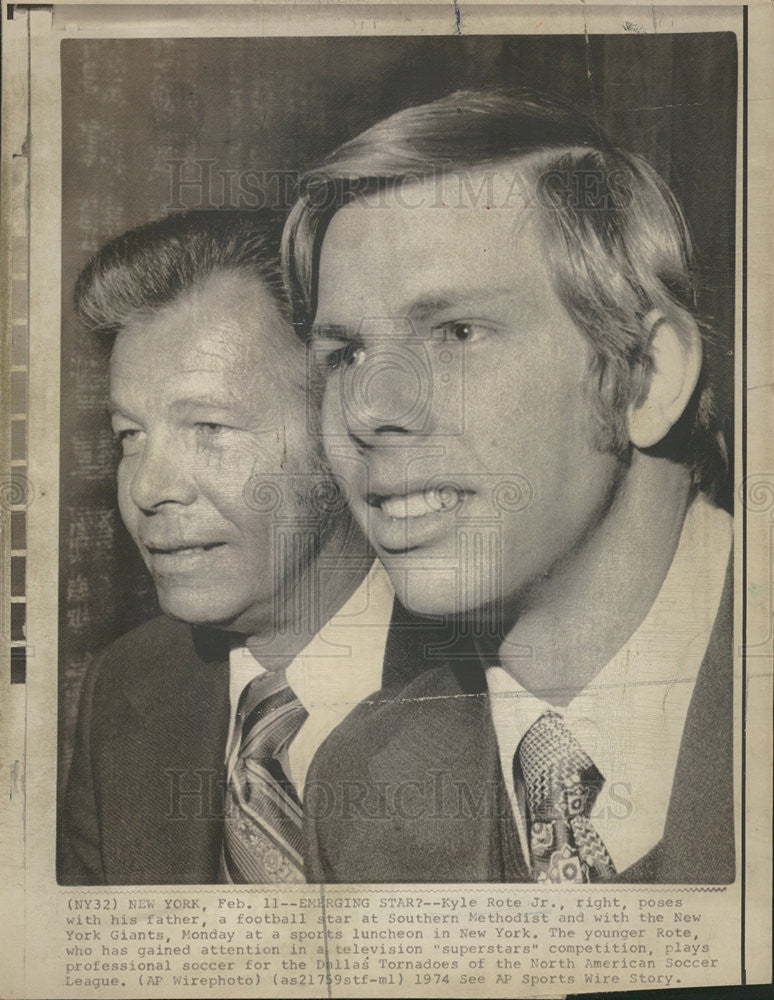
pixel 49 229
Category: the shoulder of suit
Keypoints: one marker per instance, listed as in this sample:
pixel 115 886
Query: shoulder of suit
pixel 132 660
pixel 157 633
pixel 381 717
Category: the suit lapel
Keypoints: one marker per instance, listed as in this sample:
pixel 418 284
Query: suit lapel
pixel 416 644
pixel 698 842
pixel 440 778
pixel 168 761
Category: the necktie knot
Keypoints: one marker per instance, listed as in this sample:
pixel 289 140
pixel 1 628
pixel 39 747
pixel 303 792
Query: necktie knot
pixel 560 777
pixel 561 783
pixel 270 715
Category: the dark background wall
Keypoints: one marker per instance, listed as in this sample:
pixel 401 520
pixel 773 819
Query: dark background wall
pixel 237 118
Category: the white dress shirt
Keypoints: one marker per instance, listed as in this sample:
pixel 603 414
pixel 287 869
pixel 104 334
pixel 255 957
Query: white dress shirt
pixel 339 668
pixel 630 717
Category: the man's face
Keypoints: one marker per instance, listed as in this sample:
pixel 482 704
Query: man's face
pixel 207 416
pixel 457 411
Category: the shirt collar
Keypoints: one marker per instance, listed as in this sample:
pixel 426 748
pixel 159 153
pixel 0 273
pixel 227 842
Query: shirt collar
pixel 343 659
pixel 665 651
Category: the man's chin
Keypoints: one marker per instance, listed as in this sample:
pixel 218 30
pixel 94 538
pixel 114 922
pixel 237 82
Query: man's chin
pixel 198 611
pixel 439 593
pixel 426 594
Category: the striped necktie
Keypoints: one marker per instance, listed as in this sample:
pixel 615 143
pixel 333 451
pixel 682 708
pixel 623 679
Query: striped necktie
pixel 561 783
pixel 262 834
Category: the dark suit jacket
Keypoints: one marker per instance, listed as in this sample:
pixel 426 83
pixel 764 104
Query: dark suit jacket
pixel 422 797
pixel 144 800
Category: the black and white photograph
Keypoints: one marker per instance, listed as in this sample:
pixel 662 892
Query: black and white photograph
pixel 398 526
pixel 398 337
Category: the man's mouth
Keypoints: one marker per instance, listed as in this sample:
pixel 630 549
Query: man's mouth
pixel 182 548
pixel 418 503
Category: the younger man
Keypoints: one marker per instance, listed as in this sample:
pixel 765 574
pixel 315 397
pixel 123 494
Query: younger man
pixel 517 409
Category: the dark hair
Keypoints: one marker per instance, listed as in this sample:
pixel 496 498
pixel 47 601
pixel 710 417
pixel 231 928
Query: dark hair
pixel 616 239
pixel 150 266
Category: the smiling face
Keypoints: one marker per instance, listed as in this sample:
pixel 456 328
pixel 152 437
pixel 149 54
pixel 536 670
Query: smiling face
pixel 457 410
pixel 207 401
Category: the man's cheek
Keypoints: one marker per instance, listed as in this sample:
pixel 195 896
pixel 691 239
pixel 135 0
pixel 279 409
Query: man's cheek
pixel 126 506
pixel 332 421
pixel 266 444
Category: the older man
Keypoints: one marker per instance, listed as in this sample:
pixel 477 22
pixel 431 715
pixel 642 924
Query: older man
pixel 516 402
pixel 275 623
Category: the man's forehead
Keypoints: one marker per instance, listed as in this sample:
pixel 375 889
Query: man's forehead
pixel 508 183
pixel 494 204
pixel 417 256
pixel 222 319
pixel 185 340
pixel 209 372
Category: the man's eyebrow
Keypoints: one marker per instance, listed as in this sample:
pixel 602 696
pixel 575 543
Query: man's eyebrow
pixel 419 309
pixel 114 408
pixel 457 298
pixel 210 402
pixel 331 331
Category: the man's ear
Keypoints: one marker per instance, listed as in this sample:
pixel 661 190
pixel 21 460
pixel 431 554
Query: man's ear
pixel 675 363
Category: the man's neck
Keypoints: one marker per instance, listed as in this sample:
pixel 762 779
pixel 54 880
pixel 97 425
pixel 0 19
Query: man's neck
pixel 573 622
pixel 320 591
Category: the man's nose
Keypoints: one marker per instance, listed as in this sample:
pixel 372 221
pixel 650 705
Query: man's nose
pixel 388 391
pixel 162 475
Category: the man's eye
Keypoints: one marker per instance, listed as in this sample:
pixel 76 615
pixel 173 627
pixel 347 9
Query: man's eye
pixel 209 429
pixel 333 359
pixel 129 439
pixel 460 332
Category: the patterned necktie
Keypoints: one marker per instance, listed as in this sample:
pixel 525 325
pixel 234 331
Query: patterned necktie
pixel 262 838
pixel 561 783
